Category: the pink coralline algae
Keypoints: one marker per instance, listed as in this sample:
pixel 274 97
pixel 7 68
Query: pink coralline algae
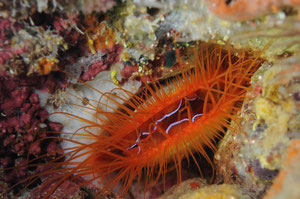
pixel 62 192
pixel 22 123
pixel 128 70
pixel 69 189
pixel 7 54
pixel 28 49
pixel 66 27
pixel 24 126
pixel 111 56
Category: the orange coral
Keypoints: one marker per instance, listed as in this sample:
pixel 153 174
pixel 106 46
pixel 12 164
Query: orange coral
pixel 280 183
pixel 44 66
pixel 99 35
pixel 247 9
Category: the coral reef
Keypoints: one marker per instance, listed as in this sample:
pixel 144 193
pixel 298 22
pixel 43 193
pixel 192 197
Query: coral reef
pixel 193 21
pixel 48 48
pixel 271 123
pixel 31 52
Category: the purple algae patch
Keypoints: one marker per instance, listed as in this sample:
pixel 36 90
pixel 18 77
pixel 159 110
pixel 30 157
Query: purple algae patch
pixel 23 122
